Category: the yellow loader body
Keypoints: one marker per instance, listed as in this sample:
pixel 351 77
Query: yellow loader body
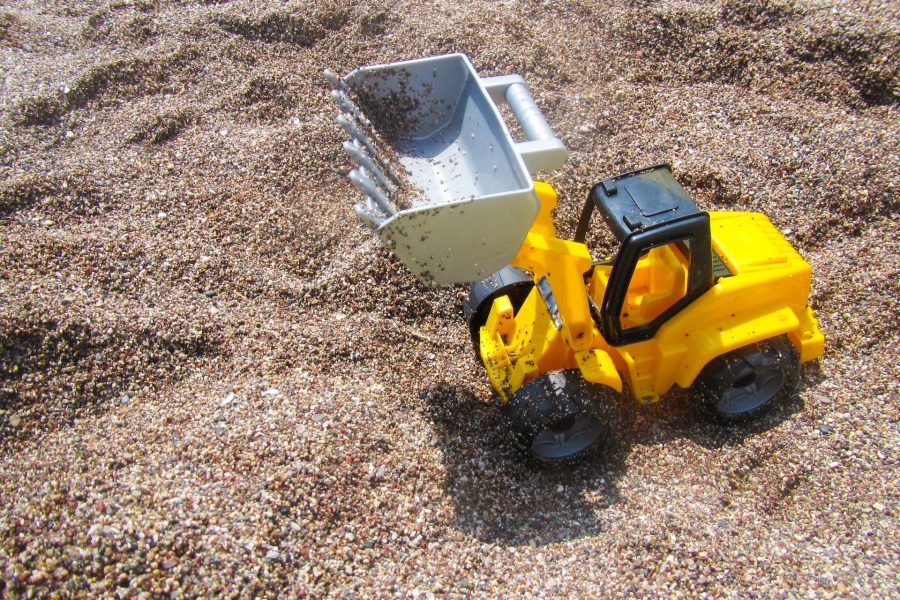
pixel 763 296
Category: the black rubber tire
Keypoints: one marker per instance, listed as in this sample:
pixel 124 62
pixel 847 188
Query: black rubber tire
pixel 746 382
pixel 508 281
pixel 556 417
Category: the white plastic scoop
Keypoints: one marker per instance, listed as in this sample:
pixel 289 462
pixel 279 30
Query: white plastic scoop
pixel 445 185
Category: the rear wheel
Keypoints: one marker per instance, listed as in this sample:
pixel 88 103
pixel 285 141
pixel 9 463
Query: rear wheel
pixel 508 281
pixel 556 418
pixel 743 383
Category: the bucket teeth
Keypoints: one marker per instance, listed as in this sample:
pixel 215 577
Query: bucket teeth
pixel 364 213
pixel 356 134
pixel 360 178
pixel 374 176
pixel 335 81
pixel 364 160
pixel 350 107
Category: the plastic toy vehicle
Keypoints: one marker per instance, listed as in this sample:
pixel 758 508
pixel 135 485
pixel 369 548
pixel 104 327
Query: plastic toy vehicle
pixel 712 301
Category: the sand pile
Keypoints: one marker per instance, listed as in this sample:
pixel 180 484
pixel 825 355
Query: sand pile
pixel 213 380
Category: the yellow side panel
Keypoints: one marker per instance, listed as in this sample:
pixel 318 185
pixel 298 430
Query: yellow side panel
pixel 597 367
pixel 808 338
pixel 517 349
pixel 766 297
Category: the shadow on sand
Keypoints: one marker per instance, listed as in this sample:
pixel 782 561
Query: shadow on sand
pixel 502 497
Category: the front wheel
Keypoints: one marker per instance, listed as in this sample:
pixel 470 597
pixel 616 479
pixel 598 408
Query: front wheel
pixel 555 418
pixel 508 281
pixel 747 381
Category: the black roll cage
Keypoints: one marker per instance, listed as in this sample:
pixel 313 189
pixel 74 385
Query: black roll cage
pixel 694 227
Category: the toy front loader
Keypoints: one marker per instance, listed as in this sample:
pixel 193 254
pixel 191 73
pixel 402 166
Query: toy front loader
pixel 712 301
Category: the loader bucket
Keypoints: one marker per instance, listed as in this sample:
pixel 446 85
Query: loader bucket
pixel 444 184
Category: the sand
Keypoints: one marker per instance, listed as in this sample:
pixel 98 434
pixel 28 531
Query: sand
pixel 213 380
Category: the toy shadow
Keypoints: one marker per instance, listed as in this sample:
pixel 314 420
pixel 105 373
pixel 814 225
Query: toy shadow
pixel 500 496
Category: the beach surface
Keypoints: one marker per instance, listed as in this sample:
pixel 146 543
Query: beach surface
pixel 215 382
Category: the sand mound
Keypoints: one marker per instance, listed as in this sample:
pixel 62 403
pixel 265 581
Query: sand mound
pixel 212 379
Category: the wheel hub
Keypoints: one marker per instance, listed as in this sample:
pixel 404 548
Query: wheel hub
pixel 566 438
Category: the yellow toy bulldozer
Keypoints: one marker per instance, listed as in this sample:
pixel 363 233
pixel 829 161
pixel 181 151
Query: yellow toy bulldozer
pixel 711 301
